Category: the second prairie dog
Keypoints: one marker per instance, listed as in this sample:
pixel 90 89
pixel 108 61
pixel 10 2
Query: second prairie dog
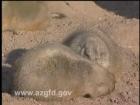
pixel 56 67
pixel 97 47
pixel 24 16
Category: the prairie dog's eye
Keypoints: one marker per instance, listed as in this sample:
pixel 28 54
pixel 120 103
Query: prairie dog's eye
pixel 87 95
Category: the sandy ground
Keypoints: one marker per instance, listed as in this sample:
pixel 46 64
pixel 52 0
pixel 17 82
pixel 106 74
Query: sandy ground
pixel 49 25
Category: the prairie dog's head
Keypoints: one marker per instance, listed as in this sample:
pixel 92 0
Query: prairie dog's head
pixel 101 82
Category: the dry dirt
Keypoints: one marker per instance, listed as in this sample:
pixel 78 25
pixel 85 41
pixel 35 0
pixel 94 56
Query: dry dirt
pixel 55 22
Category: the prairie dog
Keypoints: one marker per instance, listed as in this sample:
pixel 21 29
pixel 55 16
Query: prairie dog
pixel 57 67
pixel 23 15
pixel 97 47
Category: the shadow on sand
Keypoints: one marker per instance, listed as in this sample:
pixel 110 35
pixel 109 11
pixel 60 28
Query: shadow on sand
pixel 7 70
pixel 128 9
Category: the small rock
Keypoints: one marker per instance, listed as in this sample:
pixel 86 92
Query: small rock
pixel 57 15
